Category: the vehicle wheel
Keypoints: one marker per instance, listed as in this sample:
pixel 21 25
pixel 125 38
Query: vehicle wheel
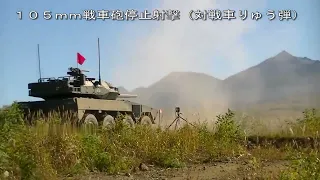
pixel 129 121
pixel 108 122
pixel 146 120
pixel 90 119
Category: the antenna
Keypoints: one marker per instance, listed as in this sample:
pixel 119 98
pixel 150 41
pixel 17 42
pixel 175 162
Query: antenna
pixel 99 62
pixel 39 65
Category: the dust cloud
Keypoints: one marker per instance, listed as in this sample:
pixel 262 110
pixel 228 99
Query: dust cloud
pixel 186 45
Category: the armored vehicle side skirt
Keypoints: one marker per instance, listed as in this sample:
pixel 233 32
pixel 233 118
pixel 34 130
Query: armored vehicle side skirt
pixel 97 107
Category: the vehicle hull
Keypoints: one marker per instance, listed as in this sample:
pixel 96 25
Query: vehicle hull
pixel 79 107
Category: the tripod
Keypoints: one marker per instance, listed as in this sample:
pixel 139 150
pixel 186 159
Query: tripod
pixel 177 119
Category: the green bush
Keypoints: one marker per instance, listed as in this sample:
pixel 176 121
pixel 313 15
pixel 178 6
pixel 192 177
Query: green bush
pixel 227 128
pixel 305 166
pixel 94 154
pixel 49 149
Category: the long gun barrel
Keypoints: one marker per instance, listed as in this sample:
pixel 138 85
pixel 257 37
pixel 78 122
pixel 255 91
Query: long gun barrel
pixel 127 96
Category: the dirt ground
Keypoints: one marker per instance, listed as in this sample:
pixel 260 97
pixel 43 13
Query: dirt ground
pixel 220 170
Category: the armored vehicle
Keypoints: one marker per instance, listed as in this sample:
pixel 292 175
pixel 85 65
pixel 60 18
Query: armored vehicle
pixel 93 101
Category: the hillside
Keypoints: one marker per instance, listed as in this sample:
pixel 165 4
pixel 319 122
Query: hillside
pixel 122 90
pixel 193 92
pixel 275 79
pixel 280 82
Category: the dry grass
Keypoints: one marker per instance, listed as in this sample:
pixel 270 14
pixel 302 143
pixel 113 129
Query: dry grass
pixel 51 149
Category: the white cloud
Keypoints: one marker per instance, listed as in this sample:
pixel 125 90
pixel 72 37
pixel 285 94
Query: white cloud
pixel 184 45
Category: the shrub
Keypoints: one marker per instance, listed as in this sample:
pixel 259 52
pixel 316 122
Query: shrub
pixel 227 129
pixel 305 166
pixel 49 149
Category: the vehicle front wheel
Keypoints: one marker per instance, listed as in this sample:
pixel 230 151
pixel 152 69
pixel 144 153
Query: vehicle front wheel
pixel 146 120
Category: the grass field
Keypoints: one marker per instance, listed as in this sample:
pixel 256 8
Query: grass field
pixel 52 150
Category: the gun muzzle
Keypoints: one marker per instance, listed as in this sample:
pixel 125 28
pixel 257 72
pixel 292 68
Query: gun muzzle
pixel 127 96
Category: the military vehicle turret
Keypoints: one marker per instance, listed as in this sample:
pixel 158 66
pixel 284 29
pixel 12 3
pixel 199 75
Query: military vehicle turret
pixel 77 84
pixel 93 101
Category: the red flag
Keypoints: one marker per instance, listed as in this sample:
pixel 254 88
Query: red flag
pixel 80 59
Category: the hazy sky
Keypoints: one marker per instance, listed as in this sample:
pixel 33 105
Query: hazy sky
pixel 138 53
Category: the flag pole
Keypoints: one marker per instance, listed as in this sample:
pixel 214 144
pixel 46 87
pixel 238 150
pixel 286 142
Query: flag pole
pixel 39 65
pixel 99 62
pixel 77 61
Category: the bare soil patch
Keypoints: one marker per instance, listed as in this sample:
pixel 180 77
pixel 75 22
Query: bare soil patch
pixel 218 171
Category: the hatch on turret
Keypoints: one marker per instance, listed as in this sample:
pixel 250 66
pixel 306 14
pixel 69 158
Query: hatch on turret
pixel 88 83
pixel 104 84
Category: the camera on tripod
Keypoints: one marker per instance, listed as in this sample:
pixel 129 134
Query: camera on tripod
pixel 177 119
pixel 178 110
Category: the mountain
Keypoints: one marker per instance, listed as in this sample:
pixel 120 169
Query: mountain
pixel 280 82
pixel 193 92
pixel 275 78
pixel 122 90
